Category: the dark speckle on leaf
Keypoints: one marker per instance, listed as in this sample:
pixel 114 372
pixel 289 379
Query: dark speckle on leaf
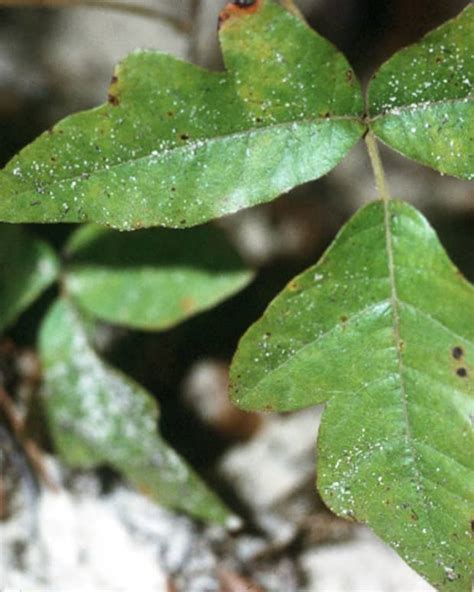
pixel 113 100
pixel 462 372
pixel 457 352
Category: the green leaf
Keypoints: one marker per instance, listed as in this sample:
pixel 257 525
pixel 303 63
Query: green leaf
pixel 152 279
pixel 177 145
pixel 382 330
pixel 27 267
pixel 99 416
pixel 423 100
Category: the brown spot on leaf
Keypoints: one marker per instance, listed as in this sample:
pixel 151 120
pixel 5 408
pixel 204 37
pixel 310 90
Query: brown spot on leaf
pixel 414 515
pixel 187 304
pixel 112 96
pixel 293 286
pixel 457 352
pixel 145 489
pixel 184 137
pixel 461 372
pixel 238 8
pixel 113 100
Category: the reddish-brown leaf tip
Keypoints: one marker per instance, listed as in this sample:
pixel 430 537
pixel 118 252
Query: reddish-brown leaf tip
pixel 238 8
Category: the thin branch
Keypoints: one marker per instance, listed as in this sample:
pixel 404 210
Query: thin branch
pixel 377 167
pixel 128 7
pixel 30 447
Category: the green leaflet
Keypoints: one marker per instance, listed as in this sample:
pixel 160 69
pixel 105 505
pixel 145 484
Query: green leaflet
pixel 423 98
pixel 382 330
pixel 177 145
pixel 152 279
pixel 27 267
pixel 99 416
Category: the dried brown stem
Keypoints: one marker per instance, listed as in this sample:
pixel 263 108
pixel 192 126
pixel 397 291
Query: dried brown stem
pixel 30 447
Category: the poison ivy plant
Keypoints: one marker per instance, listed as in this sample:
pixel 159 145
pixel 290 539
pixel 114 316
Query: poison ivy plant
pixel 388 345
pixel 381 330
pixel 99 416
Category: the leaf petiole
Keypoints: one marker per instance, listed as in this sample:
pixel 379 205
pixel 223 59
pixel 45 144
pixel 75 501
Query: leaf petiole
pixel 377 167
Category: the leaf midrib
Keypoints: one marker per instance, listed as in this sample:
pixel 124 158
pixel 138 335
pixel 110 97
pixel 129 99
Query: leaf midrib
pixel 395 306
pixel 424 105
pixel 188 147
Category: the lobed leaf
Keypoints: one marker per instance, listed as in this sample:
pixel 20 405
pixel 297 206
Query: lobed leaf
pixel 27 267
pixel 152 279
pixel 177 145
pixel 422 99
pixel 99 416
pixel 382 331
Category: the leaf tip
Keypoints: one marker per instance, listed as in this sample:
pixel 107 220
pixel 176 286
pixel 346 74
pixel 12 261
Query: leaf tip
pixel 238 8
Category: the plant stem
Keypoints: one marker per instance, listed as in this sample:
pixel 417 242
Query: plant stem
pixel 377 167
pixel 127 7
